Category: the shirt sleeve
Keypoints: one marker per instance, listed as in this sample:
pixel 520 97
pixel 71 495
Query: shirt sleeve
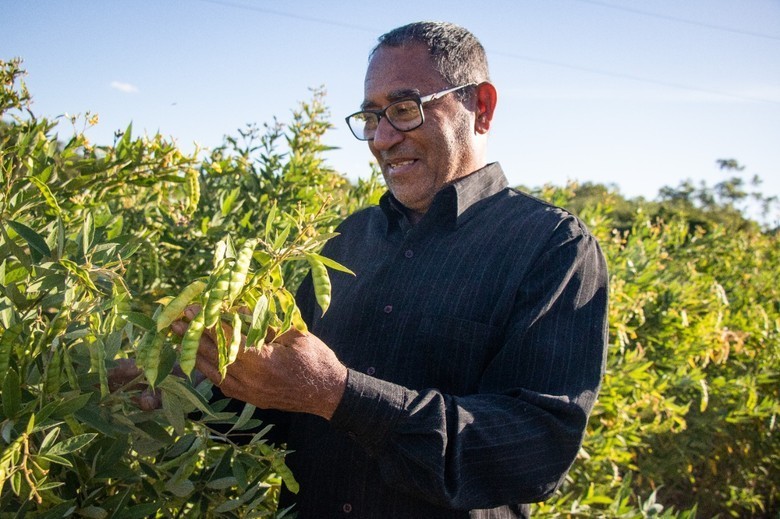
pixel 514 440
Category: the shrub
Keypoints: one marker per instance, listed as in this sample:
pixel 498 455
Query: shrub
pixel 92 240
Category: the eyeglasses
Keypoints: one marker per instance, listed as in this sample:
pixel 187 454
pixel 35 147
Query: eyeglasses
pixel 404 115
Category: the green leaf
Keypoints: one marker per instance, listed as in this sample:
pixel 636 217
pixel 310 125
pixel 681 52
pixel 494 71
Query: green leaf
pixel 269 222
pixel 174 411
pixel 141 320
pixel 38 247
pixel 141 511
pixel 102 421
pixel 114 228
pixel 93 512
pixel 228 506
pixel 185 391
pixel 72 444
pixel 280 468
pixel 181 488
pixel 124 142
pixel 155 431
pixel 70 404
pixel 12 393
pixel 222 483
pixel 230 199
pixel 87 233
pixel 246 415
pixel 15 250
pixel 261 434
pixel 7 342
pixel 97 364
pixel 261 318
pixel 55 458
pixel 167 361
pixel 281 238
pixel 49 439
pixel 331 263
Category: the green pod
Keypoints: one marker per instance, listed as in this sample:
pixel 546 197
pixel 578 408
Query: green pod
pixel 215 297
pixel 70 371
pixel 152 356
pixel 189 344
pixel 7 342
pixel 240 270
pixel 175 308
pixel 235 342
pixel 53 372
pixel 321 281
pixel 222 350
pixel 97 364
pixel 142 350
pixel 193 190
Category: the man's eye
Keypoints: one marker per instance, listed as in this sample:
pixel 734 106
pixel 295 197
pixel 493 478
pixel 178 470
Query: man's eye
pixel 403 111
pixel 370 121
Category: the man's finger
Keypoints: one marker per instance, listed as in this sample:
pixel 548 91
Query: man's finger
pixel 191 311
pixel 210 370
pixel 207 350
pixel 179 327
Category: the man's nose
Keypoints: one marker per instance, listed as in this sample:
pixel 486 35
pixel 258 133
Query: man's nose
pixel 386 136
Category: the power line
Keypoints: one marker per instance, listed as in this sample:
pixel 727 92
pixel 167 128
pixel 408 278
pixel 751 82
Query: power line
pixel 631 77
pixel 290 15
pixel 606 73
pixel 681 20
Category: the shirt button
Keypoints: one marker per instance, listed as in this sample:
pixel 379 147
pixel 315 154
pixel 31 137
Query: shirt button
pixel 409 253
pixel 371 370
pixel 388 309
pixel 346 508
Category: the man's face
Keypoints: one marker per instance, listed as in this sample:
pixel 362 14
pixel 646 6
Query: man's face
pixel 418 163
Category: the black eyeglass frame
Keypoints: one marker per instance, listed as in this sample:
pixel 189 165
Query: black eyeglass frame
pixel 420 101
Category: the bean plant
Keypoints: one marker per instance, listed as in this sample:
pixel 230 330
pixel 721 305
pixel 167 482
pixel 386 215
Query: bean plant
pixel 101 246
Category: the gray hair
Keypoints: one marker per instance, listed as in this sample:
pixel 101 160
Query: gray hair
pixel 456 53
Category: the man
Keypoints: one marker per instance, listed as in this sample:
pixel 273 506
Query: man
pixel 453 375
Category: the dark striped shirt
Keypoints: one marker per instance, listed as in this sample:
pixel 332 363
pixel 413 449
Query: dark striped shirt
pixel 475 342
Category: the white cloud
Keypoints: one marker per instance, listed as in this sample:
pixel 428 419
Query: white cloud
pixel 127 88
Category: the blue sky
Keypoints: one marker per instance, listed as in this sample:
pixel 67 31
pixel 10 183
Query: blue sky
pixel 639 94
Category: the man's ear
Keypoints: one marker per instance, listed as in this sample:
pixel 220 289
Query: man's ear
pixel 486 98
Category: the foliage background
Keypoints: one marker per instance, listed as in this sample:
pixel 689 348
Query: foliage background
pixel 92 237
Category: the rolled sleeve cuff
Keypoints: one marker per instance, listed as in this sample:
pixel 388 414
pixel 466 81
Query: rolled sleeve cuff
pixel 369 409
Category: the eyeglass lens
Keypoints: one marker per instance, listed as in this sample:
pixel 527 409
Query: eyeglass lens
pixel 402 115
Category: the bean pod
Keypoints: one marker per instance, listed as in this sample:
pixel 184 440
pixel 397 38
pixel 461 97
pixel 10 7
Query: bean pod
pixel 321 281
pixel 235 342
pixel 240 270
pixel 178 304
pixel 189 344
pixel 152 357
pixel 216 296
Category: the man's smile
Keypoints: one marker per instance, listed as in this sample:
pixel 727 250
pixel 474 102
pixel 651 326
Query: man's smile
pixel 397 166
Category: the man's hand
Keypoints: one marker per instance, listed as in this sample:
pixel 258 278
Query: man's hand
pixel 295 372
pixel 123 375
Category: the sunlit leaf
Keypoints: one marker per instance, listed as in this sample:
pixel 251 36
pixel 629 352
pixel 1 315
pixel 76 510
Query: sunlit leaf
pixel 38 246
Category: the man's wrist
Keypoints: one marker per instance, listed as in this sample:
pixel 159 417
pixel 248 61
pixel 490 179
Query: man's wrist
pixel 333 393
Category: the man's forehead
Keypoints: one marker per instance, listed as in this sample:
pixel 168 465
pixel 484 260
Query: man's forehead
pixel 392 95
pixel 399 72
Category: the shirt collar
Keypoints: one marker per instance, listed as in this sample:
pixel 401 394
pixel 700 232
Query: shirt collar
pixel 451 203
